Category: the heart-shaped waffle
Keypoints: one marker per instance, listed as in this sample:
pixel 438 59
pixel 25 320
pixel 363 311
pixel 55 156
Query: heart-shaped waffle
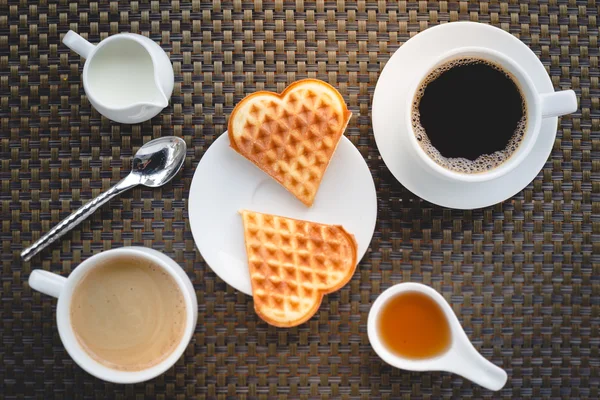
pixel 293 135
pixel 293 264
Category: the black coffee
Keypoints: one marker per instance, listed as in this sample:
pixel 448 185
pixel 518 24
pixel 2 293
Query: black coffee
pixel 469 115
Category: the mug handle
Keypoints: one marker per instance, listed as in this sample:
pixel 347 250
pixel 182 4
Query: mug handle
pixel 555 104
pixel 78 44
pixel 47 282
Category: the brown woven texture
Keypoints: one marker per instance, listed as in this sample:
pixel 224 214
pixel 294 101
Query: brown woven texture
pixel 523 276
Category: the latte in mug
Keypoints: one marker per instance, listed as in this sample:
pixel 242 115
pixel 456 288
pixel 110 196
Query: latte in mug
pixel 128 314
pixel 469 115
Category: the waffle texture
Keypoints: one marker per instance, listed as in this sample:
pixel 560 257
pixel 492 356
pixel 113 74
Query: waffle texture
pixel 293 263
pixel 291 136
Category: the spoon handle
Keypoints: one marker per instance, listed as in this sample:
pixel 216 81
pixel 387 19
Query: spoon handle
pixel 77 217
pixel 473 366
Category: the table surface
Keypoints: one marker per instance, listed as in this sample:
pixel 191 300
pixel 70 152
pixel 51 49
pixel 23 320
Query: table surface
pixel 523 276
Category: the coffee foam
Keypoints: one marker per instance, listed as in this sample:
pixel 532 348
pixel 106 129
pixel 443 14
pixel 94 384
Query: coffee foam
pixel 128 313
pixel 483 163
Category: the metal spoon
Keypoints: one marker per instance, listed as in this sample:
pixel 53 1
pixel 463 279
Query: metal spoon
pixel 155 164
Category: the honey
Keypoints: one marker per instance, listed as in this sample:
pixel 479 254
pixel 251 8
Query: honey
pixel 413 325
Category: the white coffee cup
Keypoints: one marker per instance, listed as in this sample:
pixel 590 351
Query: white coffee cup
pixel 460 358
pixel 539 106
pixel 62 288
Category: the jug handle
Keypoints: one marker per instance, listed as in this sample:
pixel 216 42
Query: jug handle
pixel 78 44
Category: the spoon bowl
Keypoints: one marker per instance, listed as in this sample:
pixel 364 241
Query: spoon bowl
pixel 154 164
pixel 159 160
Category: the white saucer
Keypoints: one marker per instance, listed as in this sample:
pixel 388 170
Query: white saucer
pixel 225 182
pixel 389 113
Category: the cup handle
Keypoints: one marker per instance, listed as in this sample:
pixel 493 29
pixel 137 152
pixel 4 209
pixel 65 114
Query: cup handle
pixel 555 104
pixel 47 282
pixel 78 44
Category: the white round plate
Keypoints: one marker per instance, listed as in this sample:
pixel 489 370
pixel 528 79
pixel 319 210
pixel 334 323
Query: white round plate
pixel 225 182
pixel 389 114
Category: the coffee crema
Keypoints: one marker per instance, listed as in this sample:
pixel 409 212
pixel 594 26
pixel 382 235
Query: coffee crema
pixel 469 115
pixel 128 313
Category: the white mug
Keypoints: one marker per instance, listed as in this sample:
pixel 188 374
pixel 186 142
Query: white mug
pixel 539 106
pixel 126 77
pixel 62 288
pixel 460 358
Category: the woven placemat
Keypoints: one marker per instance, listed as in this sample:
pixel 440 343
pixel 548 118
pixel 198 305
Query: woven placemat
pixel 523 276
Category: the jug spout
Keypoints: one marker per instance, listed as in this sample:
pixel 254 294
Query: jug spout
pixel 146 110
pixel 142 112
pixel 159 99
pixel 162 101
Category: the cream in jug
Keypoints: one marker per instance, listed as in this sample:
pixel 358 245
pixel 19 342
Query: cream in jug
pixel 127 77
